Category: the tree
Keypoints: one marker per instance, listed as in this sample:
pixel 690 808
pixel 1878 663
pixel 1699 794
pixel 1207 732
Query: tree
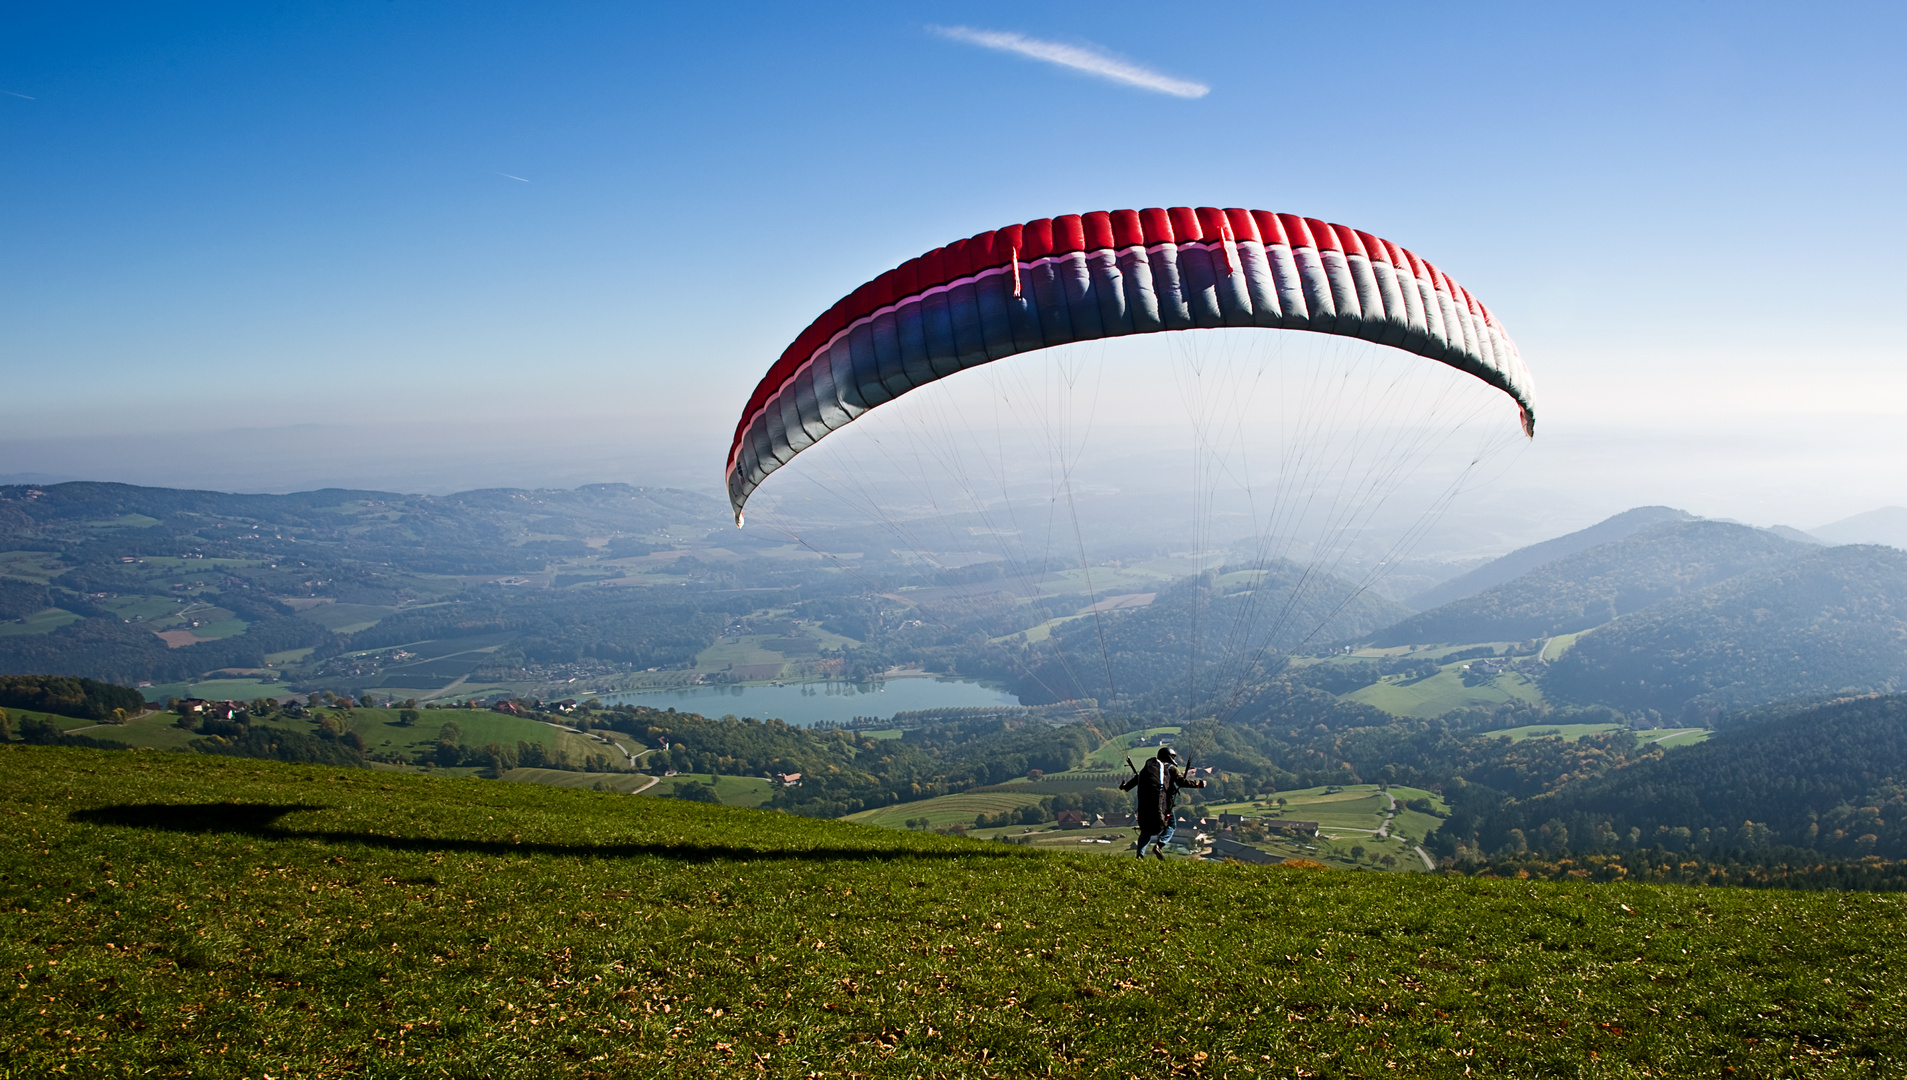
pixel 407 717
pixel 1357 852
pixel 6 726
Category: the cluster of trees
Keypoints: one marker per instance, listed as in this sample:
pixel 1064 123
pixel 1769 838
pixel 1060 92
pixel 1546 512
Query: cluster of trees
pixel 1827 780
pixel 85 699
pixel 846 770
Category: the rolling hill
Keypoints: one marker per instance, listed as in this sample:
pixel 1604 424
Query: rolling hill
pixel 1598 584
pixel 1525 559
pixel 1832 621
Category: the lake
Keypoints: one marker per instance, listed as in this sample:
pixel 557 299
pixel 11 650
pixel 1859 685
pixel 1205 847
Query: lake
pixel 806 704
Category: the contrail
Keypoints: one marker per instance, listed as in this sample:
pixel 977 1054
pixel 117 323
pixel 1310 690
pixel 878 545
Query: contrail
pixel 512 177
pixel 1078 57
pixel 29 97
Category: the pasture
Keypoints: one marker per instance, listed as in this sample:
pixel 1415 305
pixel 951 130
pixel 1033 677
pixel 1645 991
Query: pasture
pixel 1442 692
pixel 622 783
pixel 944 810
pixel 743 791
pixel 180 915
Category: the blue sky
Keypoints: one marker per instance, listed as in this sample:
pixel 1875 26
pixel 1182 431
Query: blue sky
pixel 303 221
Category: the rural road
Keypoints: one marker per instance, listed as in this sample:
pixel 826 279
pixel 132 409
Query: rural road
pixel 1385 831
pixel 633 762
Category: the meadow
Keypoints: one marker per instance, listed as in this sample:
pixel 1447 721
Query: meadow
pixel 1443 692
pixel 181 915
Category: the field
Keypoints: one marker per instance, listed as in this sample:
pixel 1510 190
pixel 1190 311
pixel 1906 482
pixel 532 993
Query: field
pixel 1669 738
pixel 623 783
pixel 945 810
pixel 1113 752
pixel 179 915
pixel 1350 817
pixel 1442 692
pixel 744 791
pixel 40 622
pixel 1664 737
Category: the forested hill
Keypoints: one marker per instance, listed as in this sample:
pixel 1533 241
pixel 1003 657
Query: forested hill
pixel 1832 778
pixel 1594 586
pixel 1228 622
pixel 1832 621
pixel 1525 559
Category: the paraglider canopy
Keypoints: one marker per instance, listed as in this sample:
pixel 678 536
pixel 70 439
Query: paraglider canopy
pixel 1081 277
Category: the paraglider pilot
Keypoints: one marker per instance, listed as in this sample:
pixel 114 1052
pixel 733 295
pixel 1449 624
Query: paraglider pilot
pixel 1158 785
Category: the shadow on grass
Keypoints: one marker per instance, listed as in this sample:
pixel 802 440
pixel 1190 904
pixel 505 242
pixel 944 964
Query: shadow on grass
pixel 261 821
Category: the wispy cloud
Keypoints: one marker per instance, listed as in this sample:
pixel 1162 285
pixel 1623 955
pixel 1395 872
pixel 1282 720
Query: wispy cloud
pixel 1078 57
pixel 507 176
pixel 29 97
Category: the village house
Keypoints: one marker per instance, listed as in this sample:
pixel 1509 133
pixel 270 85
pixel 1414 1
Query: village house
pixel 788 779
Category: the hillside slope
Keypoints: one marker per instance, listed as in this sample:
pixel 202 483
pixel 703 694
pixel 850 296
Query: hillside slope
pixel 182 916
pixel 1594 586
pixel 1223 624
pixel 1833 621
pixel 1525 559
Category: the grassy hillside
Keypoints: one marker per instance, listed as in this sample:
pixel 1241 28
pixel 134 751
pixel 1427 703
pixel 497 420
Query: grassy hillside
pixel 1591 587
pixel 1831 622
pixel 1444 691
pixel 174 915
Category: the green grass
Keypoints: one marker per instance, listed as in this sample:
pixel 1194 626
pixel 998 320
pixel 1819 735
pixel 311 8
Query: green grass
pixel 153 731
pixel 40 622
pixel 216 690
pixel 1560 644
pixel 944 810
pixel 1442 692
pixel 178 915
pixel 346 618
pixel 744 791
pixel 1669 738
pixel 1112 753
pixel 736 652
pixel 1567 732
pixel 625 783
pixel 382 732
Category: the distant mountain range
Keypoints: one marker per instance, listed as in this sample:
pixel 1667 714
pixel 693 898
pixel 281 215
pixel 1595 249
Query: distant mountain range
pixel 1590 586
pixel 1523 560
pixel 1690 617
pixel 1888 525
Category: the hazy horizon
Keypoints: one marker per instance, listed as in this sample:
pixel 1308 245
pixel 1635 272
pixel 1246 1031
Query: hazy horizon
pixel 429 249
